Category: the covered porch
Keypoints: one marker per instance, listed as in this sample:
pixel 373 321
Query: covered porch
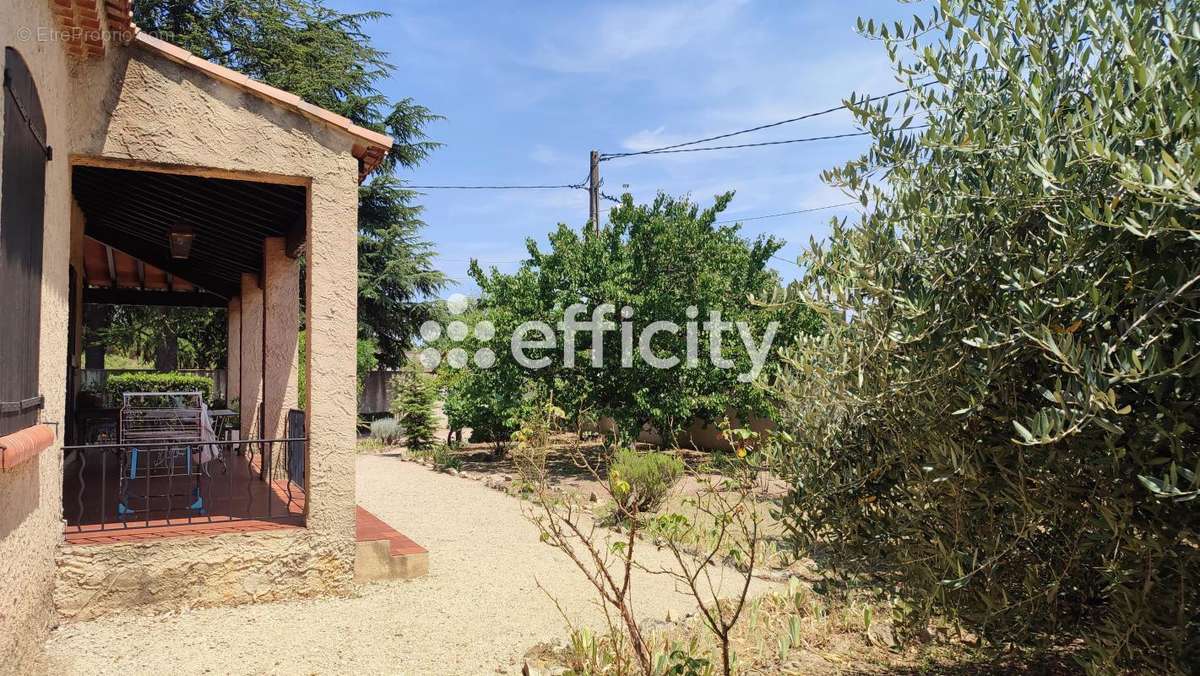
pixel 150 237
pixel 191 184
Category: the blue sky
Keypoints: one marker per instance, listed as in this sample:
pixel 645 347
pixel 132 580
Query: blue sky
pixel 529 88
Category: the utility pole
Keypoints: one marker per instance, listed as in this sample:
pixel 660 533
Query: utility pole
pixel 594 192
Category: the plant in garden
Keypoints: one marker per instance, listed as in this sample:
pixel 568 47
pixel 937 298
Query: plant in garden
pixel 149 381
pixel 639 481
pixel 412 407
pixel 489 401
pixel 387 431
pixel 999 417
pixel 724 526
pixel 607 558
pixel 443 457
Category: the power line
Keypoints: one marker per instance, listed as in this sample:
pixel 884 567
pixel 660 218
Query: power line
pixel 481 261
pixel 785 213
pixel 495 187
pixel 808 139
pixel 718 137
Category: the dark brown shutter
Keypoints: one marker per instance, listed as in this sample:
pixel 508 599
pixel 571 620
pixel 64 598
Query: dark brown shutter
pixel 22 209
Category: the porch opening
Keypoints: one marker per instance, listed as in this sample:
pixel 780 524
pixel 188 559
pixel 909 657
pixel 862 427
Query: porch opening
pixel 233 448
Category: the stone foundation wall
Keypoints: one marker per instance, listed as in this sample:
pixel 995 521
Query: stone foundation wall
pixel 197 572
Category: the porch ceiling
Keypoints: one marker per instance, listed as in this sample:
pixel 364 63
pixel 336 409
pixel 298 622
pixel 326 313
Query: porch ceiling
pixel 113 277
pixel 134 211
pixel 105 267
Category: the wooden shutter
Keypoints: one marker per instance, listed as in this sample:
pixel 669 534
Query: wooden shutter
pixel 22 209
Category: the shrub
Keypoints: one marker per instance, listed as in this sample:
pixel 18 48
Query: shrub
pixel 640 481
pixel 1006 432
pixel 412 408
pixel 487 402
pixel 386 430
pixel 444 458
pixel 151 381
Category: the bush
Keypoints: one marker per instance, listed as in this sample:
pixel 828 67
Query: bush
pixel 444 458
pixel 412 408
pixel 151 381
pixel 484 401
pixel 1006 432
pixel 640 481
pixel 386 430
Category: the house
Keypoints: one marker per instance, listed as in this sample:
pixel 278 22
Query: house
pixel 134 172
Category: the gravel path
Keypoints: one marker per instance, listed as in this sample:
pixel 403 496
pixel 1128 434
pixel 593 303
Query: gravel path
pixel 477 611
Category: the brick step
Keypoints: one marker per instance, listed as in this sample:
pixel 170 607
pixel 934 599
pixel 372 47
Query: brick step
pixel 383 553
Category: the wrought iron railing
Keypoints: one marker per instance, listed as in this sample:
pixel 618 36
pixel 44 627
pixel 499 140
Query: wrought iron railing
pixel 140 485
pixel 295 430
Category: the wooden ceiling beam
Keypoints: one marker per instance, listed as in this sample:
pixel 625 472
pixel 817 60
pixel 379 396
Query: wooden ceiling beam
pixel 112 266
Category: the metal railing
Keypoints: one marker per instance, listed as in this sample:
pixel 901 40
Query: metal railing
pixel 113 486
pixel 296 460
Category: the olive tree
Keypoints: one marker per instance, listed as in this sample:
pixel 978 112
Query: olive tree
pixel 999 418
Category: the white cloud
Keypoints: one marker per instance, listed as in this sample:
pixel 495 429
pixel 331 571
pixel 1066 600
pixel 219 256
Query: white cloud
pixel 610 37
pixel 544 154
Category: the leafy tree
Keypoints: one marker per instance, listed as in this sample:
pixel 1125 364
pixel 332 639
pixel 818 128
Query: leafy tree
pixel 488 401
pixel 323 56
pixel 491 402
pixel 659 259
pixel 999 418
pixel 170 337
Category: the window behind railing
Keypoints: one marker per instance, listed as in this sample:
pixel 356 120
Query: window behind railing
pixel 22 208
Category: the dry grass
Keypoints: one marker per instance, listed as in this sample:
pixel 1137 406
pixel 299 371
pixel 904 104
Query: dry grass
pixel 800 631
pixel 803 632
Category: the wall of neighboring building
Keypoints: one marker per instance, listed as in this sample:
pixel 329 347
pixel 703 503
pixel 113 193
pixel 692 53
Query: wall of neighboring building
pixel 30 494
pixel 169 114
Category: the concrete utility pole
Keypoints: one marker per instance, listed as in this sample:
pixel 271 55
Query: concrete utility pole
pixel 594 192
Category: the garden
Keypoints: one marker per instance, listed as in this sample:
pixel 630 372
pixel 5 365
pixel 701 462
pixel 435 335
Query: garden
pixel 983 439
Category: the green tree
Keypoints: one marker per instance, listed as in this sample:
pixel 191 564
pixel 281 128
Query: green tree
pixel 323 56
pixel 169 337
pixel 668 261
pixel 999 419
pixel 492 401
pixel 412 407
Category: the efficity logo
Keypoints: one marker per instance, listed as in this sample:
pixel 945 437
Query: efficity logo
pixel 546 337
pixel 457 331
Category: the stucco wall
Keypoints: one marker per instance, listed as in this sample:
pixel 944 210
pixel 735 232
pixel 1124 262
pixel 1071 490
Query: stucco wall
pixel 250 361
pixel 233 351
pixel 281 303
pixel 134 106
pixel 167 114
pixel 30 502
